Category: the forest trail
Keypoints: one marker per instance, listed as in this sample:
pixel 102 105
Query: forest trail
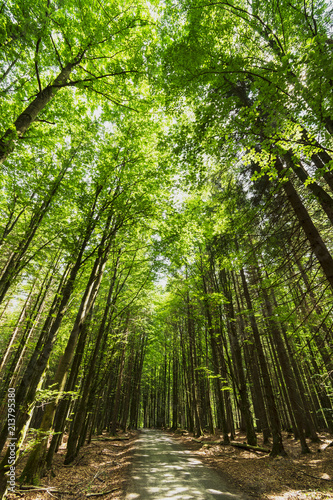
pixel 162 469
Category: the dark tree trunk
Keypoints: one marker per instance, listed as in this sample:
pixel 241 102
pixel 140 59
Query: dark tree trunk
pixel 237 355
pixel 29 115
pixel 317 244
pixel 277 448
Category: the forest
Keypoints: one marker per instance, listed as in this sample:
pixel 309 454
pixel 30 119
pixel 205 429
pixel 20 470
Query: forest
pixel 166 224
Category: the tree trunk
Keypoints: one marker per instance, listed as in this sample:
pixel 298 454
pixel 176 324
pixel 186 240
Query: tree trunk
pixel 16 331
pixel 237 355
pixel 194 374
pixel 64 404
pixel 36 461
pixel 318 246
pixel 78 419
pixel 289 376
pixel 323 198
pixel 15 263
pixel 277 448
pixel 29 115
pixel 251 359
pixel 115 410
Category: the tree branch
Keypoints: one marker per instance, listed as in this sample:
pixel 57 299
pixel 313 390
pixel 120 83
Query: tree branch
pixel 36 64
pixel 84 80
pixel 56 51
pixel 44 121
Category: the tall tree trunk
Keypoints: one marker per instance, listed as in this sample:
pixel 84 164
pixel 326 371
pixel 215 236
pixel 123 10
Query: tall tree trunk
pixel 175 383
pixel 65 403
pixel 32 320
pixel 29 115
pixel 277 448
pixel 317 244
pixel 78 419
pixel 251 359
pixel 237 355
pixel 16 331
pixel 115 410
pixel 289 376
pixel 36 461
pixel 323 198
pixel 26 391
pixel 194 374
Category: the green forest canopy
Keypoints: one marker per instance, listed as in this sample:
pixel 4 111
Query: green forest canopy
pixel 166 219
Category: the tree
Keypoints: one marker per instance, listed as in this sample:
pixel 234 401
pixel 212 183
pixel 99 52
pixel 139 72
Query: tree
pixel 73 47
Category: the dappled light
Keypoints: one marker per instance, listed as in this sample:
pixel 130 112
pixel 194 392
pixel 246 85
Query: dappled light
pixel 166 249
pixel 162 470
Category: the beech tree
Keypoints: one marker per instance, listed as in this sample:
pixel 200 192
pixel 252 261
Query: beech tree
pixel 81 47
pixel 166 230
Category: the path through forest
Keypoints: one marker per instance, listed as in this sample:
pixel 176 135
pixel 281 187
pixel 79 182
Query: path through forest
pixel 162 469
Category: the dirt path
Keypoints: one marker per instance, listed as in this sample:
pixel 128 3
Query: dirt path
pixel 164 470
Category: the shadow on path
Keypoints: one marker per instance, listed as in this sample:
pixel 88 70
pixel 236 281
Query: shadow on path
pixel 163 470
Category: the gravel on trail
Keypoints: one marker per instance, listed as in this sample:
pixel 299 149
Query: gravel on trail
pixel 163 470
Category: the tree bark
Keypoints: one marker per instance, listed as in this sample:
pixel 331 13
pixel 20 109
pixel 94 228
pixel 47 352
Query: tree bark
pixel 80 410
pixel 323 198
pixel 29 115
pixel 194 374
pixel 289 376
pixel 15 263
pixel 36 461
pixel 317 244
pixel 277 448
pixel 237 354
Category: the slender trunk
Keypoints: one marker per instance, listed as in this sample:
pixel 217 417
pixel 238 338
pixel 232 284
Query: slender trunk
pixel 220 400
pixel 15 263
pixel 16 331
pixel 323 348
pixel 310 426
pixel 325 408
pixel 4 466
pixel 237 356
pixel 317 244
pixel 137 384
pixel 323 198
pixel 36 461
pixel 277 448
pixel 187 384
pixel 251 359
pixel 288 374
pixel 37 364
pixel 130 389
pixel 64 404
pixel 32 321
pixel 80 410
pixel 214 350
pixel 175 383
pixel 116 405
pixel 194 374
pixel 290 422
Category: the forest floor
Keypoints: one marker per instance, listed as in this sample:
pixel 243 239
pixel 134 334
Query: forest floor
pixel 301 477
pixel 103 469
pixel 100 471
